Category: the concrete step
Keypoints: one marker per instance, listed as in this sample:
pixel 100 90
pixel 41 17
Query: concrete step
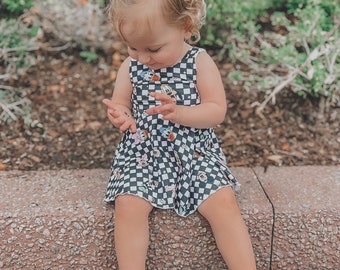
pixel 306 204
pixel 57 220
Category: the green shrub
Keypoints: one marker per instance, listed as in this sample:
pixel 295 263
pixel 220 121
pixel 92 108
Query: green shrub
pixel 284 44
pixel 17 40
pixel 13 8
pixel 226 16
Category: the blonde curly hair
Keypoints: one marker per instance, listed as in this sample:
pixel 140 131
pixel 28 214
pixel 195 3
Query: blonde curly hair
pixel 185 14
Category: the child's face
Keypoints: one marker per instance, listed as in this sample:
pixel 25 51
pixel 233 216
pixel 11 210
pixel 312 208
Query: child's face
pixel 156 44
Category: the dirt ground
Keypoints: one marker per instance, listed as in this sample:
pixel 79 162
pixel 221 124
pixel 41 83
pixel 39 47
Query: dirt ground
pixel 73 131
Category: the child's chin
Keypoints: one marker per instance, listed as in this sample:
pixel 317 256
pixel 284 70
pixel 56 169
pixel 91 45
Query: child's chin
pixel 155 67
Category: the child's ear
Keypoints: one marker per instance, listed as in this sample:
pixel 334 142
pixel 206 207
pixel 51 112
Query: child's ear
pixel 187 29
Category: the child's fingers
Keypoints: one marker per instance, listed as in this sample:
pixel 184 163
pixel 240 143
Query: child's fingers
pixel 113 113
pixel 133 127
pixel 124 126
pixel 164 98
pixel 162 109
pixel 171 117
pixel 121 120
pixel 166 109
pixel 108 103
pixel 129 124
pixel 153 110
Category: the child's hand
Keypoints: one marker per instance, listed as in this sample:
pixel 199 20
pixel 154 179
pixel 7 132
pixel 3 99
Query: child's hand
pixel 168 107
pixel 120 116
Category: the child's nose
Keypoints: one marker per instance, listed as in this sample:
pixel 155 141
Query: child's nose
pixel 143 58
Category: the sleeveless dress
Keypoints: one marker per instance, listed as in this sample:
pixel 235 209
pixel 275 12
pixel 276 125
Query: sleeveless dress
pixel 170 165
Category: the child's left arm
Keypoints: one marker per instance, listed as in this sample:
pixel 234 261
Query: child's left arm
pixel 212 109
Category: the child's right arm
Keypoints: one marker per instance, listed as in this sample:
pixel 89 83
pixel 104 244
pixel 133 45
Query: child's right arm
pixel 119 107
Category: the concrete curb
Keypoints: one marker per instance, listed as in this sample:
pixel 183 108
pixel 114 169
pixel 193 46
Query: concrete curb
pixel 57 220
pixel 307 213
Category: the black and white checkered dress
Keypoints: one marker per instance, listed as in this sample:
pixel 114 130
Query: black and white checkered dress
pixel 170 165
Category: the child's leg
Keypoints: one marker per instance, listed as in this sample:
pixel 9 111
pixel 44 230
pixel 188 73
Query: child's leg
pixel 131 231
pixel 230 231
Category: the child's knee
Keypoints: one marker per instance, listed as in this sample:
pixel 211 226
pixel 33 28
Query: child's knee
pixel 131 205
pixel 221 201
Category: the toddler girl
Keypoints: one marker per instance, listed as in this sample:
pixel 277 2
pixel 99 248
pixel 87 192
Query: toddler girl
pixel 167 98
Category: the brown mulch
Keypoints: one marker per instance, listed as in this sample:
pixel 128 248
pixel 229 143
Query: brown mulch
pixel 66 94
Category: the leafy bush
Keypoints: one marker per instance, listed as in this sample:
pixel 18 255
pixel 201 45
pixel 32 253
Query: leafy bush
pixel 16 42
pixel 226 18
pixel 285 44
pixel 15 7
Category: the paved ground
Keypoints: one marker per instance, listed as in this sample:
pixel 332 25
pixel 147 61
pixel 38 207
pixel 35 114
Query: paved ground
pixel 57 220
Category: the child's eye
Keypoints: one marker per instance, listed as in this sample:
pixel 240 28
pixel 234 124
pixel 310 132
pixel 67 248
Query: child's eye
pixel 154 50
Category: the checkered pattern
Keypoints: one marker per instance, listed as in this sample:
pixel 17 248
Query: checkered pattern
pixel 171 166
